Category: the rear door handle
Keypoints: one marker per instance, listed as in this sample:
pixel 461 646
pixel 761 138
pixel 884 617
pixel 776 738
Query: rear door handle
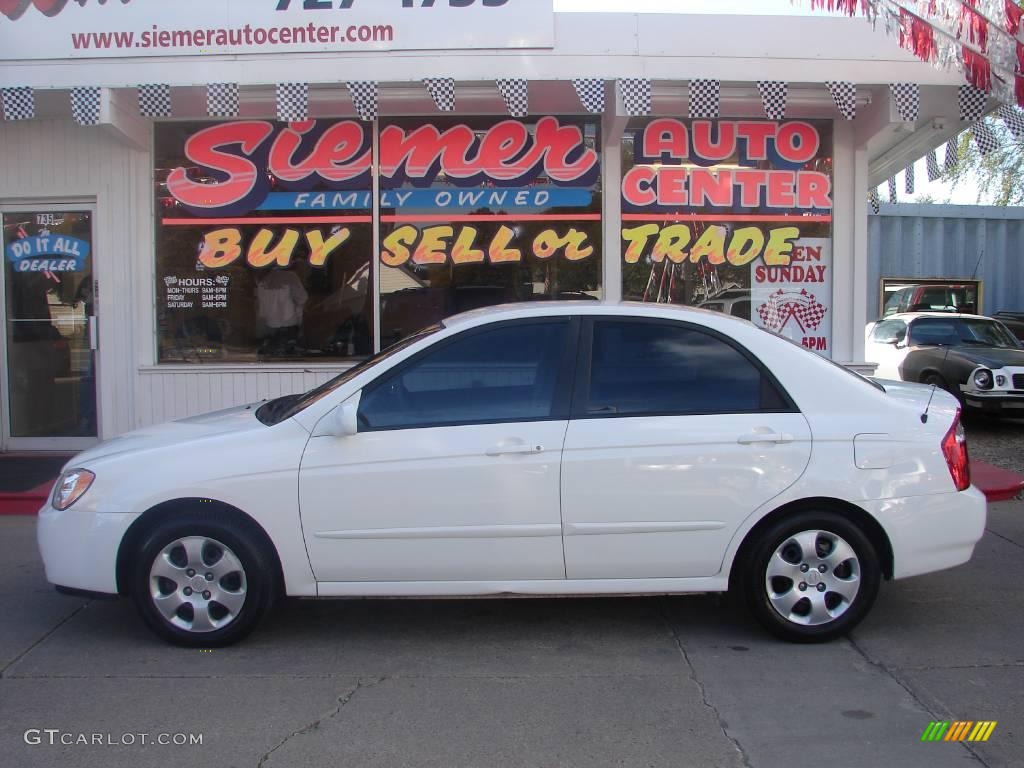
pixel 502 449
pixel 764 437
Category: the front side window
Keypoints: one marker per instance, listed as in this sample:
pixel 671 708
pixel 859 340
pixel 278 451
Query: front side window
pixel 507 373
pixel 933 332
pixel 648 369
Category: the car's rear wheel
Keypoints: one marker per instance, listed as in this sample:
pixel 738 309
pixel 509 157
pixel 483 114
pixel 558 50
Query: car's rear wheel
pixel 813 576
pixel 201 581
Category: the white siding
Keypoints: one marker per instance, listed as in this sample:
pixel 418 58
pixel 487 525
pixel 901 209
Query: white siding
pixel 172 393
pixel 56 161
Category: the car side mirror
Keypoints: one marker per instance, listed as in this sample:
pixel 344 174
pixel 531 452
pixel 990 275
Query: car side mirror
pixel 343 421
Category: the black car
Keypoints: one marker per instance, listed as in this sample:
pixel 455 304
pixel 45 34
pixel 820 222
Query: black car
pixel 976 358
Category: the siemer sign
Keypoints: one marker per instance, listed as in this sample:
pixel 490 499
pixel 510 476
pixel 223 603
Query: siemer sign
pixel 63 29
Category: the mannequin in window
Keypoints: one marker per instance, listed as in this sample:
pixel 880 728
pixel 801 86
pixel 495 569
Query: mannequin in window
pixel 280 300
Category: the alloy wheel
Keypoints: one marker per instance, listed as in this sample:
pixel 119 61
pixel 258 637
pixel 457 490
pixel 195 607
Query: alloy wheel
pixel 197 584
pixel 812 578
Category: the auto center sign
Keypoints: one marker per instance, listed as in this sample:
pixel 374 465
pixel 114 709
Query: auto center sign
pixel 62 29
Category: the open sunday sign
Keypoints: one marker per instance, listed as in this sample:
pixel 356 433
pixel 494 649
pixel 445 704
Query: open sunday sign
pixel 48 253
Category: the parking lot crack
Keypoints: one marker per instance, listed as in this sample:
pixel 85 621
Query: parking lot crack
pixel 692 673
pixel 33 646
pixel 1004 538
pixel 342 701
pixel 886 670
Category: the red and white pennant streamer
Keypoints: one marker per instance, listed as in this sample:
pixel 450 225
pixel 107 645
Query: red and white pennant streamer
pixel 982 38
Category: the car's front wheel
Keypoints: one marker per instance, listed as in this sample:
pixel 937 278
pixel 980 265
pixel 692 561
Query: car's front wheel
pixel 812 577
pixel 201 581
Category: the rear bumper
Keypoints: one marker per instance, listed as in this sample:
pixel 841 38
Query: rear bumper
pixel 934 532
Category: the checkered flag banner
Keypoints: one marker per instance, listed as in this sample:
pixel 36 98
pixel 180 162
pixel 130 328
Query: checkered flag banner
pixel 222 99
pixel 972 103
pixel 705 99
pixel 783 305
pixel 442 91
pixel 875 203
pixel 591 93
pixel 844 94
pixel 985 138
pixel 1014 120
pixel 951 156
pixel 516 93
pixel 892 190
pixel 908 179
pixel 636 95
pixel 85 105
pixel 773 97
pixel 934 172
pixel 364 98
pixel 292 102
pixel 907 97
pixel 19 103
pixel 155 100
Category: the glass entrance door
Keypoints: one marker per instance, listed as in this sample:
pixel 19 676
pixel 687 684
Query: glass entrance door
pixel 49 313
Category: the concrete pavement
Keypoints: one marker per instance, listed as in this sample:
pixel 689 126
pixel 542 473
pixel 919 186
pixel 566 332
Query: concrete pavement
pixel 674 681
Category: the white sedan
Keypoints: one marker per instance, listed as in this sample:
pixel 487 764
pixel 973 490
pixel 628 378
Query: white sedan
pixel 543 449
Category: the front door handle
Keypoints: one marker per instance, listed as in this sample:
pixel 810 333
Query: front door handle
pixel 764 437
pixel 502 449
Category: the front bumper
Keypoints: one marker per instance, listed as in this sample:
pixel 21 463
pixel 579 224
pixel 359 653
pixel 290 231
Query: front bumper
pixel 995 402
pixel 933 532
pixel 79 547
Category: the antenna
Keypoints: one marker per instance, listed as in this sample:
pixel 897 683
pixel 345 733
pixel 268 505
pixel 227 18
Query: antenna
pixel 924 416
pixel 945 357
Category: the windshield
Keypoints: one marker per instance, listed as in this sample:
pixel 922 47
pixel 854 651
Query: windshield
pixel 281 408
pixel 990 333
pixel 943 331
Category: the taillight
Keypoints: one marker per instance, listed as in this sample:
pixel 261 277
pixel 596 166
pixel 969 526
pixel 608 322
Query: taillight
pixel 954 448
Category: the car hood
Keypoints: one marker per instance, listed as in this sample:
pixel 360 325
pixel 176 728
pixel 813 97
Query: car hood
pixel 990 357
pixel 238 419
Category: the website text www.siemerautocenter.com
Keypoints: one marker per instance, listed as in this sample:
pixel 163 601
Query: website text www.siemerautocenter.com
pixel 56 737
pixel 234 38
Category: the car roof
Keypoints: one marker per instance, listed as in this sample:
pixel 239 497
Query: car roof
pixel 908 316
pixel 548 308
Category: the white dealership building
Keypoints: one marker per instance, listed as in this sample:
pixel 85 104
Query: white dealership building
pixel 211 202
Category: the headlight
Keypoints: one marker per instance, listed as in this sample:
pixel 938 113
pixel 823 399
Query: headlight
pixel 71 486
pixel 1001 380
pixel 983 379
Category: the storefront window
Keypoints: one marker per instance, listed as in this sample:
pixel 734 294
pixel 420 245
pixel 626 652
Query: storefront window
pixel 733 216
pixel 484 211
pixel 263 241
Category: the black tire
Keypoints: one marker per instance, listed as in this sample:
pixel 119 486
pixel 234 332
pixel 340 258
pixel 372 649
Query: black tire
pixel 816 614
pixel 243 576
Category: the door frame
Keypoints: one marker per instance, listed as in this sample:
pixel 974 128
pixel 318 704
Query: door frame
pixel 50 444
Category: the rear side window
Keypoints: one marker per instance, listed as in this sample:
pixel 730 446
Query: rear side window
pixel 506 373
pixel 653 368
pixel 889 331
pixel 741 309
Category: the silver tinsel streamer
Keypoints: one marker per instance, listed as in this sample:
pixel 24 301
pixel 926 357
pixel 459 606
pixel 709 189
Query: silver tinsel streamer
pixel 951 36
